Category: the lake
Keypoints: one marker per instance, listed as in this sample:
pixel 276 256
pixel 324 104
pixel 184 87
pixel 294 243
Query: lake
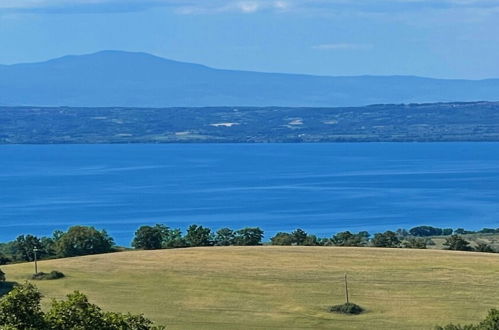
pixel 322 188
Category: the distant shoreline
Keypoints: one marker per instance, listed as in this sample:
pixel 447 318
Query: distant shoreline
pixel 431 122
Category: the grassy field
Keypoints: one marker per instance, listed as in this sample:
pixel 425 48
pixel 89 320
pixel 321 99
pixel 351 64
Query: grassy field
pixel 281 287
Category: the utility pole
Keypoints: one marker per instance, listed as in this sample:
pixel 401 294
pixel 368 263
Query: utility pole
pixel 346 288
pixel 35 250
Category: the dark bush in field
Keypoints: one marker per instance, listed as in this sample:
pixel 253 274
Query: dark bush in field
pixel 347 308
pixel 53 275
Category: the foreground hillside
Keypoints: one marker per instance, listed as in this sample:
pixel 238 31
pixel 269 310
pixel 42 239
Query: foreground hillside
pixel 414 122
pixel 281 287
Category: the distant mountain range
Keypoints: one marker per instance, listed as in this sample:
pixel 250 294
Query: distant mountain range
pixel 115 78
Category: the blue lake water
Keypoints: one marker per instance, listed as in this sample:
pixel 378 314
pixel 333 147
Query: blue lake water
pixel 322 188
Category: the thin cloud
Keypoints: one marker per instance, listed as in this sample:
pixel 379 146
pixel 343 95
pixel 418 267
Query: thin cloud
pixel 343 46
pixel 242 6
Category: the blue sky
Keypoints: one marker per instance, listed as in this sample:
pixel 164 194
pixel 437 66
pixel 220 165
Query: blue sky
pixel 446 38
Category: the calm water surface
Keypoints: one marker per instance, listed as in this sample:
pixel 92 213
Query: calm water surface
pixel 322 188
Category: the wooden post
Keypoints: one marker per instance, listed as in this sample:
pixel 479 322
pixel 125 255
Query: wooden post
pixel 35 250
pixel 346 288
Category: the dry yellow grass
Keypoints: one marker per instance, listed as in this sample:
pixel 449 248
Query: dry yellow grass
pixel 282 287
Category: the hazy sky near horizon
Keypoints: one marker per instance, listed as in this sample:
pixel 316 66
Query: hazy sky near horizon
pixel 445 38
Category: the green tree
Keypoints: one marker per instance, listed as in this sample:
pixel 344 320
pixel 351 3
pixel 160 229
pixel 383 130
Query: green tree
pixel 20 308
pixel 198 236
pixel 447 231
pixel 387 239
pixel 424 231
pixel 299 236
pixel 149 238
pixel 3 259
pixel 311 240
pixel 82 240
pixel 225 237
pixel 484 247
pixel 457 243
pixel 346 238
pixel 249 236
pixel 415 243
pixel 173 239
pixel 23 246
pixel 282 239
pixel 2 277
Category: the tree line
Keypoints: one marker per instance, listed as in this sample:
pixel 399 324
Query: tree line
pixel 163 237
pixel 84 240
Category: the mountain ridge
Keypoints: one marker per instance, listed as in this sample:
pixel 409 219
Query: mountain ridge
pixel 136 79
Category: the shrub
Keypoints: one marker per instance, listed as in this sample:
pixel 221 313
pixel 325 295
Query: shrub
pixel 426 231
pixel 2 277
pixel 20 309
pixel 225 237
pixel 491 322
pixel 198 236
pixel 149 238
pixel 346 238
pixel 248 237
pixel 415 243
pixel 3 259
pixel 457 243
pixel 311 240
pixel 347 308
pixel 387 239
pixel 53 275
pixel 282 239
pixel 299 236
pixel 484 247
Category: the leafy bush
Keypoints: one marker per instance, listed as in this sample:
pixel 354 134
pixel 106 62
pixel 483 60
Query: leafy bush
pixel 484 247
pixel 387 239
pixel 311 240
pixel 491 322
pixel 53 275
pixel 2 277
pixel 347 308
pixel 282 239
pixel 20 309
pixel 415 243
pixel 149 238
pixel 198 236
pixel 3 259
pixel 248 237
pixel 346 238
pixel 225 237
pixel 457 243
pixel 425 231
